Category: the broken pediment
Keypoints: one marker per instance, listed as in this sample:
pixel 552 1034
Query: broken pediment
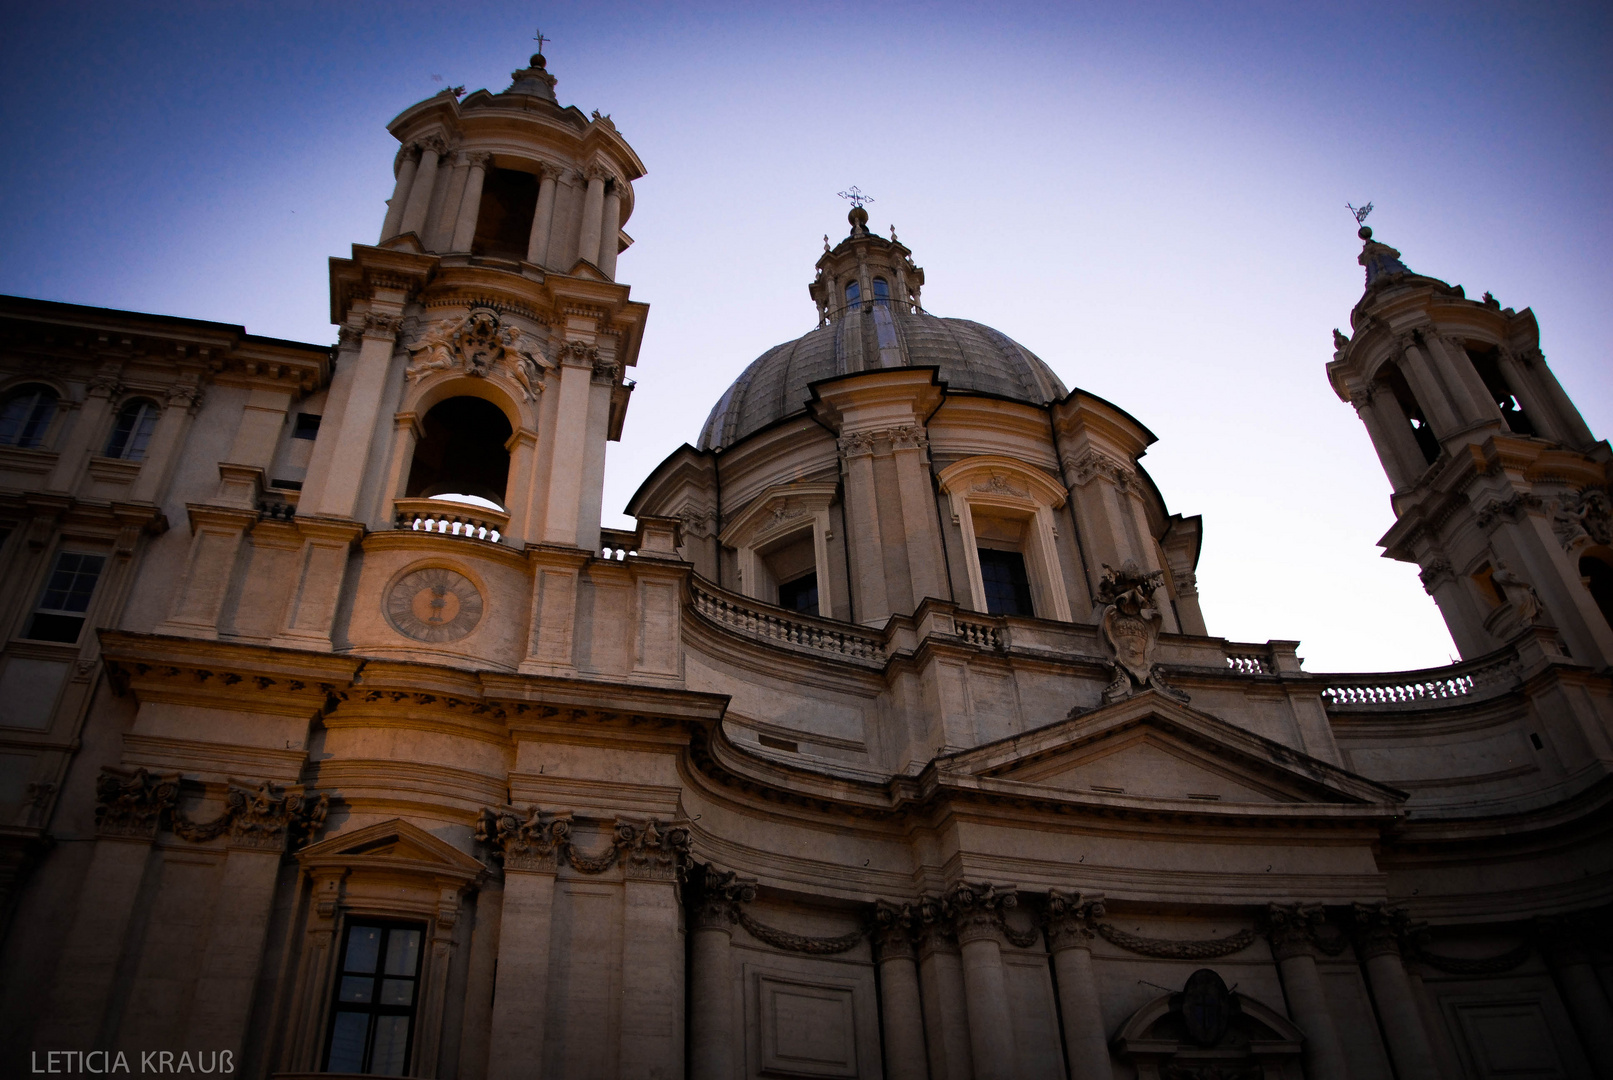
pixel 1151 746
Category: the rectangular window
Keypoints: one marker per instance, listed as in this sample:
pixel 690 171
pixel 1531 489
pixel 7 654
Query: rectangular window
pixel 1008 588
pixel 59 615
pixel 800 595
pixel 377 989
pixel 307 427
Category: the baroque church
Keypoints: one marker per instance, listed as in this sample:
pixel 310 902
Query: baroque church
pixel 338 737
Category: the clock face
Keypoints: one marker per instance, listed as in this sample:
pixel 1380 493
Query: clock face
pixel 436 604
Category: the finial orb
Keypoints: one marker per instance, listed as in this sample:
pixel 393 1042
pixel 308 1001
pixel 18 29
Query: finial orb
pixel 858 216
pixel 1365 232
pixel 537 60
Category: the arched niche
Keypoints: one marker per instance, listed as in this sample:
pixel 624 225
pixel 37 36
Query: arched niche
pixel 1206 1030
pixel 463 449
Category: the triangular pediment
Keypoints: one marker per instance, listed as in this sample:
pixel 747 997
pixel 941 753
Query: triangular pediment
pixel 1151 747
pixel 396 845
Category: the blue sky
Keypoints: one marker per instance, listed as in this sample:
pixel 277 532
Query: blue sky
pixel 1149 196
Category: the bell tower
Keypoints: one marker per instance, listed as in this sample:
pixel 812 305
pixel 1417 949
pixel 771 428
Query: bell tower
pixel 485 336
pixel 1500 489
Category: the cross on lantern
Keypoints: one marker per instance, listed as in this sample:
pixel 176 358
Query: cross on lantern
pixel 540 39
pixel 856 196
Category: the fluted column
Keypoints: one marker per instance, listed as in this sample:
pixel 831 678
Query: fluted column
pixel 470 203
pixel 901 1012
pixel 400 191
pixel 1292 931
pixel 712 1041
pixel 1565 943
pixel 537 245
pixel 978 911
pixel 593 214
pixel 425 180
pixel 1391 436
pixel 1378 932
pixel 609 228
pixel 1069 939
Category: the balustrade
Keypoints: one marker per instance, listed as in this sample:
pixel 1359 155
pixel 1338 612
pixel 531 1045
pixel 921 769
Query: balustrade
pixel 1472 681
pixel 450 519
pixel 775 625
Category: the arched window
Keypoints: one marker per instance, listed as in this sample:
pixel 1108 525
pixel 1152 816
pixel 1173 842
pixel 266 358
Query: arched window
pixel 854 292
pixel 1598 577
pixel 132 431
pixel 882 292
pixel 504 220
pixel 25 416
pixel 463 451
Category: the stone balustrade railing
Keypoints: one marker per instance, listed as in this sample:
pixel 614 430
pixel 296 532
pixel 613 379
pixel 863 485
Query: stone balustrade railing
pixel 615 545
pixel 767 623
pixel 1249 663
pixel 980 635
pixel 450 519
pixel 1475 680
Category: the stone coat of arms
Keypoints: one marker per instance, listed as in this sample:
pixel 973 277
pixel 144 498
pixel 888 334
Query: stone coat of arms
pixel 481 345
pixel 1130 625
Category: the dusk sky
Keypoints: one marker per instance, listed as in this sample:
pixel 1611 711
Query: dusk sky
pixel 1149 196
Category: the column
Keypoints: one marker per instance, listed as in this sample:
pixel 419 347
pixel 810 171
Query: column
pixel 1418 368
pixel 408 163
pixel 425 179
pixel 593 214
pixel 901 1015
pixel 1069 938
pixel 569 454
pixel 1293 943
pixel 445 217
pixel 184 401
pixel 712 1039
pixel 131 804
pixel 1564 941
pixel 946 1027
pixel 521 986
pixel 229 969
pixel 926 561
pixel 1378 931
pixel 1391 436
pixel 870 602
pixel 985 986
pixel 470 203
pixel 89 431
pixel 357 420
pixel 608 230
pixel 652 957
pixel 537 245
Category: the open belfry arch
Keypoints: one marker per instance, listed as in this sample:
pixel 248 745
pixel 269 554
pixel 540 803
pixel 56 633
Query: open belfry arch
pixel 338 736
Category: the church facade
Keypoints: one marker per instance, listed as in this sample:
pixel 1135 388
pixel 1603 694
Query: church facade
pixel 338 737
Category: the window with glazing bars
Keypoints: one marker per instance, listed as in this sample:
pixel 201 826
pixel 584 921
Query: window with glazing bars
pixel 377 991
pixel 60 613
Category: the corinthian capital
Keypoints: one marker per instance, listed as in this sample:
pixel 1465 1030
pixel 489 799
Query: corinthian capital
pixel 132 803
pixel 1068 919
pixel 977 910
pixel 1380 929
pixel 717 905
pixel 522 840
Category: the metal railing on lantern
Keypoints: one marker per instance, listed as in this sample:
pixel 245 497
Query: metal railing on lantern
pixel 775 625
pixel 450 519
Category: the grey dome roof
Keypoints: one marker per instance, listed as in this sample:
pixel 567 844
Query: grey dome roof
pixel 970 356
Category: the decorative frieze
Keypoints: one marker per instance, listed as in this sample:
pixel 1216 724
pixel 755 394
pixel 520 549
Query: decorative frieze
pixel 530 840
pixel 266 818
pixel 1585 514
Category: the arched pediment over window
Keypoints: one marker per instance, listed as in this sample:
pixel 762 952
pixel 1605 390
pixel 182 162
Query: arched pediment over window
pixel 1004 508
pixel 1208 1031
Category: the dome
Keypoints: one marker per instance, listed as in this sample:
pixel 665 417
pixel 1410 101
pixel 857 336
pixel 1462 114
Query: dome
pixel 970 356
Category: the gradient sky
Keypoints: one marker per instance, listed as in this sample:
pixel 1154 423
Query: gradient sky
pixel 1149 196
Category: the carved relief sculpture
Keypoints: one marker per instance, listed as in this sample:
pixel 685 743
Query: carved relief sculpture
pixel 1130 624
pixel 481 345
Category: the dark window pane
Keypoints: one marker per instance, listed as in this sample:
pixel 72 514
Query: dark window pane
pixel 357 988
pixel 397 992
pixel 72 582
pixel 853 291
pixel 1008 589
pixel 47 627
pixel 307 427
pixel 132 432
pixel 26 416
pixel 800 594
pixel 363 948
pixel 347 1036
pixel 391 1050
pixel 882 291
pixel 402 952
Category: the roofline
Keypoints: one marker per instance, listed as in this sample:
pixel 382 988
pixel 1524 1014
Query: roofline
pixel 81 311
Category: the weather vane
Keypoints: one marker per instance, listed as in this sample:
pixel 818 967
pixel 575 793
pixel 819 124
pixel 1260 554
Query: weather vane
pixel 1360 212
pixel 855 194
pixel 540 39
